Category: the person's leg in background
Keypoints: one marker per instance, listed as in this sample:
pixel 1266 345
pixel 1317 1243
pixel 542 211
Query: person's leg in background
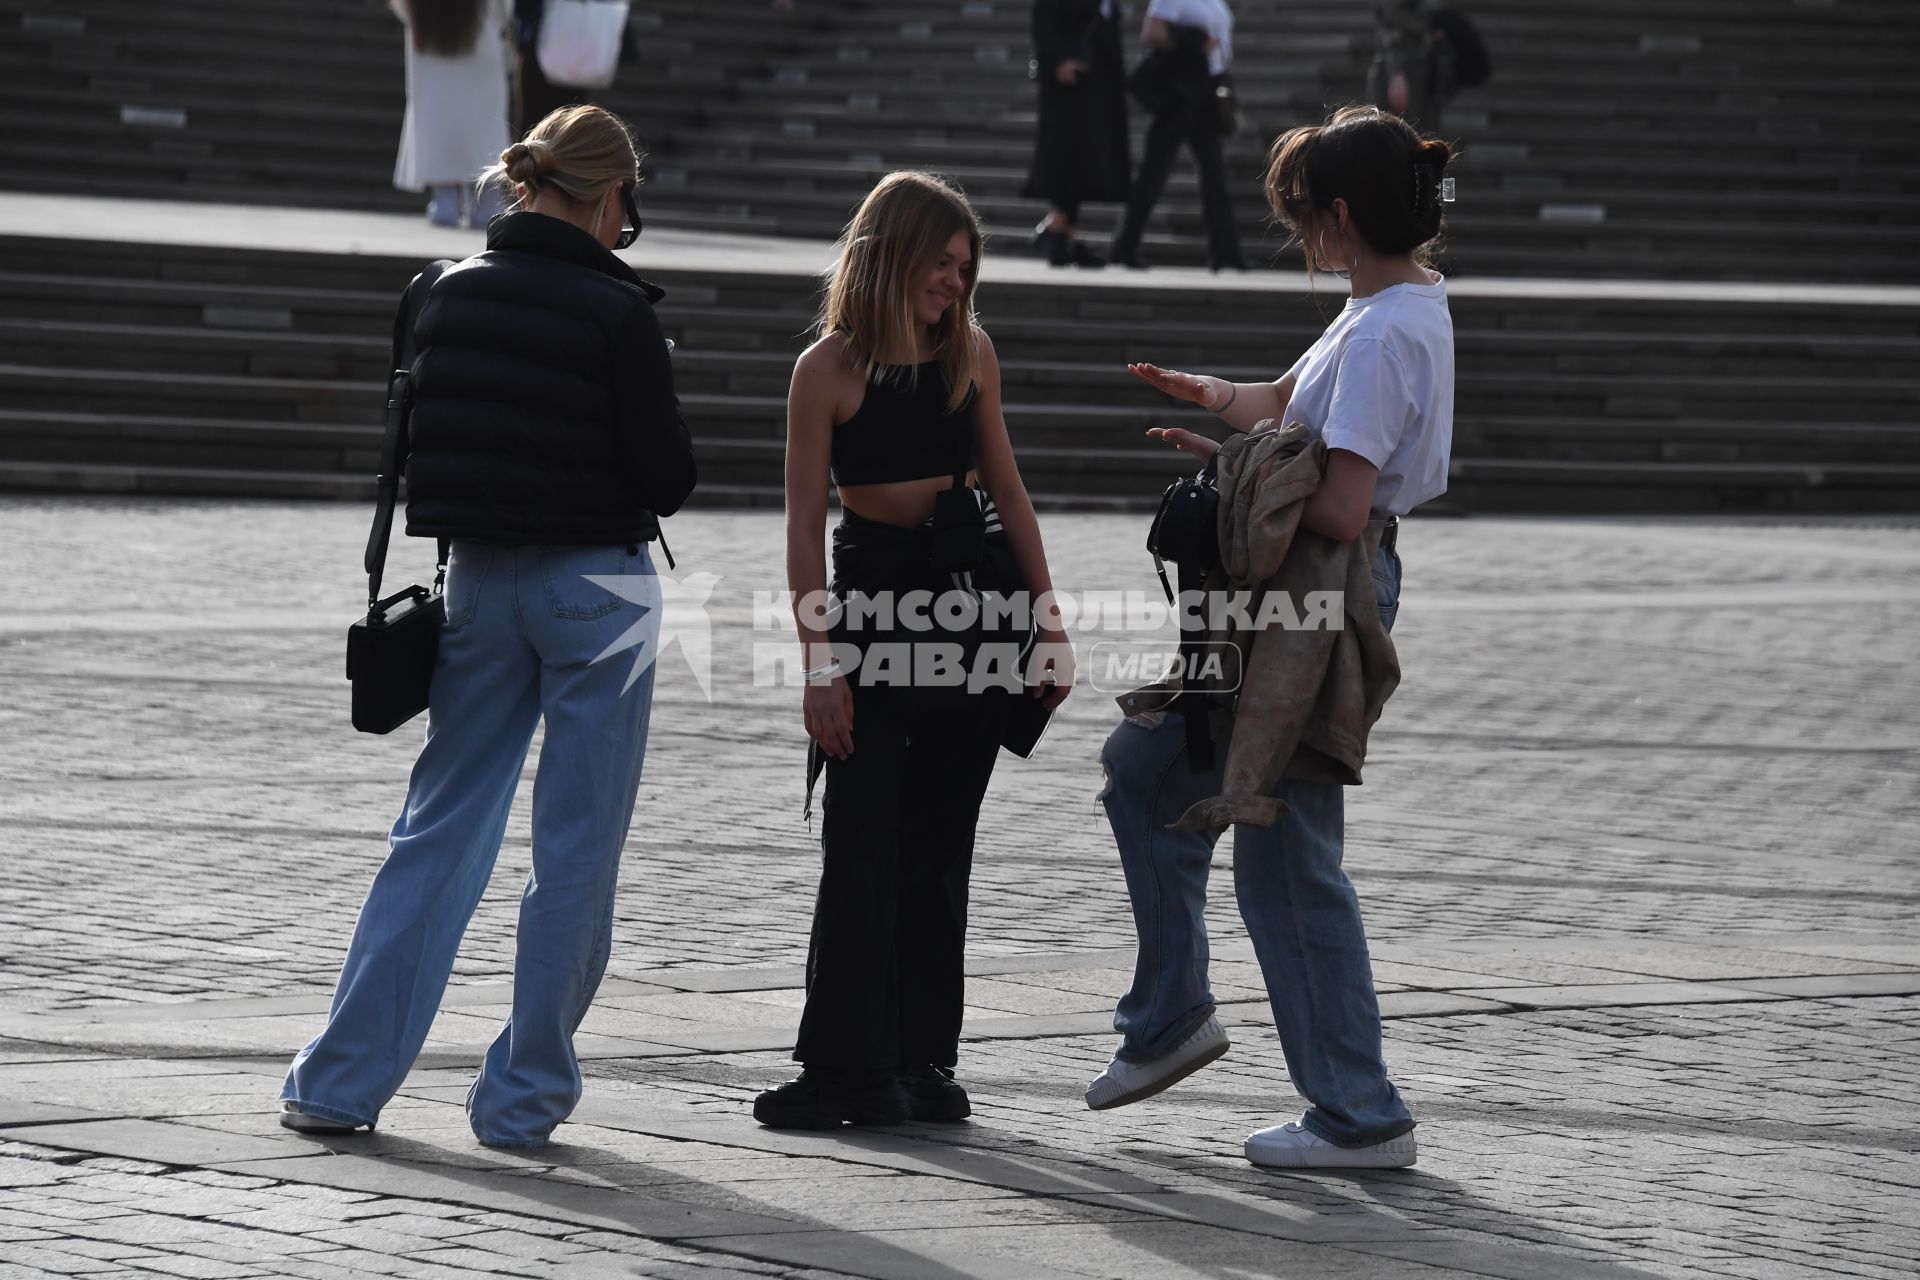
pixel 1216 193
pixel 443 204
pixel 583 799
pixel 1156 163
pixel 484 706
pixel 1053 239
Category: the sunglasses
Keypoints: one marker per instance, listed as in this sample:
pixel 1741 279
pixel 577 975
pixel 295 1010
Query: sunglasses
pixel 630 225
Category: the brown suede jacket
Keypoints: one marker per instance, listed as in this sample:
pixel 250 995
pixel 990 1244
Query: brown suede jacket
pixel 1311 693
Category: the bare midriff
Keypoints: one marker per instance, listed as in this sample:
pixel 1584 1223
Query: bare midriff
pixel 905 503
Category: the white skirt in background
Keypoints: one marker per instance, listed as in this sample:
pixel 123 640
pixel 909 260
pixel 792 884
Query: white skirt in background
pixel 456 123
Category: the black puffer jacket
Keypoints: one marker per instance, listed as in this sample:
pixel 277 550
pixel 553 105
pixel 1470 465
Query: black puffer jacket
pixel 543 396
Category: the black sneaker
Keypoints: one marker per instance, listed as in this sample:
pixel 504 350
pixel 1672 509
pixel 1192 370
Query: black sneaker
pixel 820 1100
pixel 1053 246
pixel 933 1095
pixel 1085 257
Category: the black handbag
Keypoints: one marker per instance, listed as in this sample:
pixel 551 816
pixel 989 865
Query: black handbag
pixel 391 651
pixel 1185 529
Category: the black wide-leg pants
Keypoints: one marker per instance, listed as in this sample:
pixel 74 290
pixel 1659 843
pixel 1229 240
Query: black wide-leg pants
pixel 1196 128
pixel 886 967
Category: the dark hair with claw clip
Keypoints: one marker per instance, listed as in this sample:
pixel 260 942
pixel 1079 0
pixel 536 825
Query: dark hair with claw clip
pixel 1387 173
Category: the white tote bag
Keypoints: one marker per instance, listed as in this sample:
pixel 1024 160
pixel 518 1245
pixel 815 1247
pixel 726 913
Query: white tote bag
pixel 580 41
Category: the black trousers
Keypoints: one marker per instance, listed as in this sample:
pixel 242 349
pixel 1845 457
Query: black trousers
pixel 886 968
pixel 1199 130
pixel 537 96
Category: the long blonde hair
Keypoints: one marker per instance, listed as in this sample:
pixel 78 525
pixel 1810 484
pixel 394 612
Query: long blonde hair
pixel 899 231
pixel 578 151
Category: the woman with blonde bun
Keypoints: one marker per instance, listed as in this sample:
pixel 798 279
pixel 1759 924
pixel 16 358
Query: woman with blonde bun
pixel 546 444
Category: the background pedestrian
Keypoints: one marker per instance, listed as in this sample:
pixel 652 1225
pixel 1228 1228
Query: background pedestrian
pixel 1190 44
pixel 456 121
pixel 1080 145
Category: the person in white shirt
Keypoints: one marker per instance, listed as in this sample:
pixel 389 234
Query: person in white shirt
pixel 1363 195
pixel 1191 44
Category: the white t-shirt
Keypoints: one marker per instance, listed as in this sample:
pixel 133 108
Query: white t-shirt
pixel 1213 15
pixel 1379 382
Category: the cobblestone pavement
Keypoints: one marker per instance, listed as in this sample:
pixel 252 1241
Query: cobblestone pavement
pixel 1637 851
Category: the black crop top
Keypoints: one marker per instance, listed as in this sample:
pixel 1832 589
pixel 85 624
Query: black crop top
pixel 904 431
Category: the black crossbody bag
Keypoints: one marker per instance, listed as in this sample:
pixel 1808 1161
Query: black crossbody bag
pixel 1185 529
pixel 391 651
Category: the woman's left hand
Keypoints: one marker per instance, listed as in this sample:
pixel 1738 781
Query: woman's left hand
pixel 1055 668
pixel 1186 441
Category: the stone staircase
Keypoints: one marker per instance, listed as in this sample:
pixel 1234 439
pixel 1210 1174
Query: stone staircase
pixel 1709 139
pixel 240 371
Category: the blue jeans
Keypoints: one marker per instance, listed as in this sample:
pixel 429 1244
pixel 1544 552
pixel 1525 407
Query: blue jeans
pixel 524 633
pixel 1298 905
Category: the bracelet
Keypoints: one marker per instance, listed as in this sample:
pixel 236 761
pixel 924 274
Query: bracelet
pixel 1233 393
pixel 830 668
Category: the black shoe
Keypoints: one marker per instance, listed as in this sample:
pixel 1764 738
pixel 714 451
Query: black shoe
pixel 1085 257
pixel 1234 264
pixel 1053 246
pixel 1132 261
pixel 827 1100
pixel 933 1095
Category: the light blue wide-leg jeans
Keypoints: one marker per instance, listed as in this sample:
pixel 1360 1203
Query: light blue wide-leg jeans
pixel 1299 907
pixel 524 629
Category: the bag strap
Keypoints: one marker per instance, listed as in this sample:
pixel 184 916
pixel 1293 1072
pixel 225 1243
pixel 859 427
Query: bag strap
pixel 1192 704
pixel 961 466
pixel 396 446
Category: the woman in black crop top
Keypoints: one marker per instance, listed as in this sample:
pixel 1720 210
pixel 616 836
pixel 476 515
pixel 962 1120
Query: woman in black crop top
pixel 898 404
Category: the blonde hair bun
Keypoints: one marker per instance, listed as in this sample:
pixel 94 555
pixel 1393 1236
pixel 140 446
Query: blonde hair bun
pixel 579 151
pixel 527 161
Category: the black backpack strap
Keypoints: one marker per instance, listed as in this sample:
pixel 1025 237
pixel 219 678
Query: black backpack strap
pixel 396 446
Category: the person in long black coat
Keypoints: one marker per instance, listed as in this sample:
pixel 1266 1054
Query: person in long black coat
pixel 1080 149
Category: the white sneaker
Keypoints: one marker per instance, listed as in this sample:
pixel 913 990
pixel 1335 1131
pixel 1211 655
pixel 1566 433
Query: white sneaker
pixel 1294 1146
pixel 1124 1082
pixel 292 1117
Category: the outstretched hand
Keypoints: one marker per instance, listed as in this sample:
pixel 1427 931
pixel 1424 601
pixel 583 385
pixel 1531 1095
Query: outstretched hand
pixel 1181 386
pixel 1186 441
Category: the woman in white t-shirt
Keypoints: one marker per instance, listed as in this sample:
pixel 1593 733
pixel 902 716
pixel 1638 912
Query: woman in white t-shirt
pixel 1362 194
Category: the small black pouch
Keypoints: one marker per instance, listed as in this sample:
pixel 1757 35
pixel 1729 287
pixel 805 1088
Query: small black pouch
pixel 959 521
pixel 1185 529
pixel 959 530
